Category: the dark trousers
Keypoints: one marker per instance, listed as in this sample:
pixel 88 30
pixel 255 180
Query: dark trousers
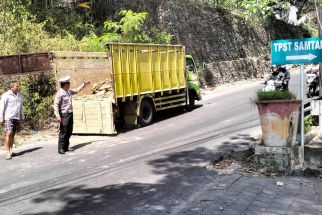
pixel 65 131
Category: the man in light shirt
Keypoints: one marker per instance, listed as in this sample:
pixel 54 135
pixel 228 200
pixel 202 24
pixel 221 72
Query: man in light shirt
pixel 63 110
pixel 11 113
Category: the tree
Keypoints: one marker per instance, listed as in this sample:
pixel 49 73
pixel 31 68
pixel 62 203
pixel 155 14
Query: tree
pixel 129 29
pixel 263 8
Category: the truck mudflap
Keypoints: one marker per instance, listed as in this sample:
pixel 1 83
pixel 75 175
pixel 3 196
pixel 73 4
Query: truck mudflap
pixel 93 116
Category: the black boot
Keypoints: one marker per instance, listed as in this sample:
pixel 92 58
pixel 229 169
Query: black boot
pixel 61 151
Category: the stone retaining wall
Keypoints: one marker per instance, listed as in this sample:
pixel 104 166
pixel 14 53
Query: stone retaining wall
pixel 230 71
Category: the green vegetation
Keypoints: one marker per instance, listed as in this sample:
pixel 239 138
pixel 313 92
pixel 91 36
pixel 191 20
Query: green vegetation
pixel 271 167
pixel 274 95
pixel 248 8
pixel 262 8
pixel 86 25
pixel 308 123
pixel 21 33
pixel 129 29
pixel 37 91
pixel 48 25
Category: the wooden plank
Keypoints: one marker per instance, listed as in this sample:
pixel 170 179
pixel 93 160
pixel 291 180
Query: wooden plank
pixel 9 65
pixel 83 67
pixel 91 118
pixel 69 54
pixel 25 63
pixel 35 62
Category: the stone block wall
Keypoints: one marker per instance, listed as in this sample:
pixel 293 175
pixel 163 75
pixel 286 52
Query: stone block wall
pixel 282 160
pixel 221 72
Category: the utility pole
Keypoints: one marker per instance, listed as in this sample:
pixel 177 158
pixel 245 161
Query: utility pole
pixel 320 34
pixel 320 69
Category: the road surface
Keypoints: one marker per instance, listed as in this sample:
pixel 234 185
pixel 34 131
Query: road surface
pixel 151 170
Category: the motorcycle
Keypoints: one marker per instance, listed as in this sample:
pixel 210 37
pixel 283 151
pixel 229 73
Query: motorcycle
pixel 312 80
pixel 271 85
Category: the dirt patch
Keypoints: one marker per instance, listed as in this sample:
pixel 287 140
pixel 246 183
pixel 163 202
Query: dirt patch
pixel 241 161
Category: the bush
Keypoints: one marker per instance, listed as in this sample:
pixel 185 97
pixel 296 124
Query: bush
pixel 38 92
pixel 308 123
pixel 274 95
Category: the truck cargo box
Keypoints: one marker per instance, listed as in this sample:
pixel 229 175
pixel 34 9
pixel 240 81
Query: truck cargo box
pixel 93 116
pixel 146 68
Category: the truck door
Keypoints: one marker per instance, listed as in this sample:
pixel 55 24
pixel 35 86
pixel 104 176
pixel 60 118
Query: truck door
pixel 193 77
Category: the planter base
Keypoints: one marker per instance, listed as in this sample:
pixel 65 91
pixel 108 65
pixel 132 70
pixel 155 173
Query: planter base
pixel 279 160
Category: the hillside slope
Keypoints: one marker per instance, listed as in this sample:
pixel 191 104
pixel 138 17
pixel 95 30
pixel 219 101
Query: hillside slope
pixel 233 48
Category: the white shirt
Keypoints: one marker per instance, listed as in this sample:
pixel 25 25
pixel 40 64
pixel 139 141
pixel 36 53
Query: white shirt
pixel 11 106
pixel 63 100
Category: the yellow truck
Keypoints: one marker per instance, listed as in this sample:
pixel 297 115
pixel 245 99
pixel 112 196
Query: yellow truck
pixel 145 79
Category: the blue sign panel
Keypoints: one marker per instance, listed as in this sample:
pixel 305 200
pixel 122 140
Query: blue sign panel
pixel 297 51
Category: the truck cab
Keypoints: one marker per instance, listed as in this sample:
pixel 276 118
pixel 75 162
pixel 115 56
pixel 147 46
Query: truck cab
pixel 193 79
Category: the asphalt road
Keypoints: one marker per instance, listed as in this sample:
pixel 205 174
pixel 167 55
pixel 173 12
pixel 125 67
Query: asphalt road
pixel 151 170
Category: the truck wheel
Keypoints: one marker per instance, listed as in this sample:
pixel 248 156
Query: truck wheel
pixel 191 102
pixel 146 113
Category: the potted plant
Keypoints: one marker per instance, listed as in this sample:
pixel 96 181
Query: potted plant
pixel 279 114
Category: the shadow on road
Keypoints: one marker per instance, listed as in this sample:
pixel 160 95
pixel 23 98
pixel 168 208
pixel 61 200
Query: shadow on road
pixel 78 146
pixel 28 151
pixel 181 171
pixel 240 140
pixel 160 116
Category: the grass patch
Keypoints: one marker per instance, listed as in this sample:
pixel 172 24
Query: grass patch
pixel 274 95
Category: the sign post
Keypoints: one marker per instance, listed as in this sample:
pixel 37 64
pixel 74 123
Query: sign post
pixel 320 67
pixel 298 51
pixel 302 112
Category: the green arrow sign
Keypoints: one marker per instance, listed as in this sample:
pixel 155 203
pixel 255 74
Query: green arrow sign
pixel 297 51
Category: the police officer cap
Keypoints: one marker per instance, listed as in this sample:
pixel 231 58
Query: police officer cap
pixel 64 79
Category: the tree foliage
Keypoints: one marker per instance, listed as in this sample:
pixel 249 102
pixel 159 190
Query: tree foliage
pixel 264 8
pixel 45 25
pixel 21 33
pixel 61 19
pixel 129 29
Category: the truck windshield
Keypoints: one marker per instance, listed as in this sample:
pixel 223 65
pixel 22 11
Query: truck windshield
pixel 190 65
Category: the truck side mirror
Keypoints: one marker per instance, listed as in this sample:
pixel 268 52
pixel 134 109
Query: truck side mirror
pixel 203 66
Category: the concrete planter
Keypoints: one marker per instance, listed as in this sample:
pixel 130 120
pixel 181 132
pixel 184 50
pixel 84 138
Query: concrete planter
pixel 279 120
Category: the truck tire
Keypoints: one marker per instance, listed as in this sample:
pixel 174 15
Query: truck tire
pixel 146 113
pixel 191 105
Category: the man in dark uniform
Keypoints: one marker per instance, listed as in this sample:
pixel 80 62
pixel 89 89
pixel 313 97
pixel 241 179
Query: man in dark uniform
pixel 64 113
pixel 274 74
pixel 286 76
